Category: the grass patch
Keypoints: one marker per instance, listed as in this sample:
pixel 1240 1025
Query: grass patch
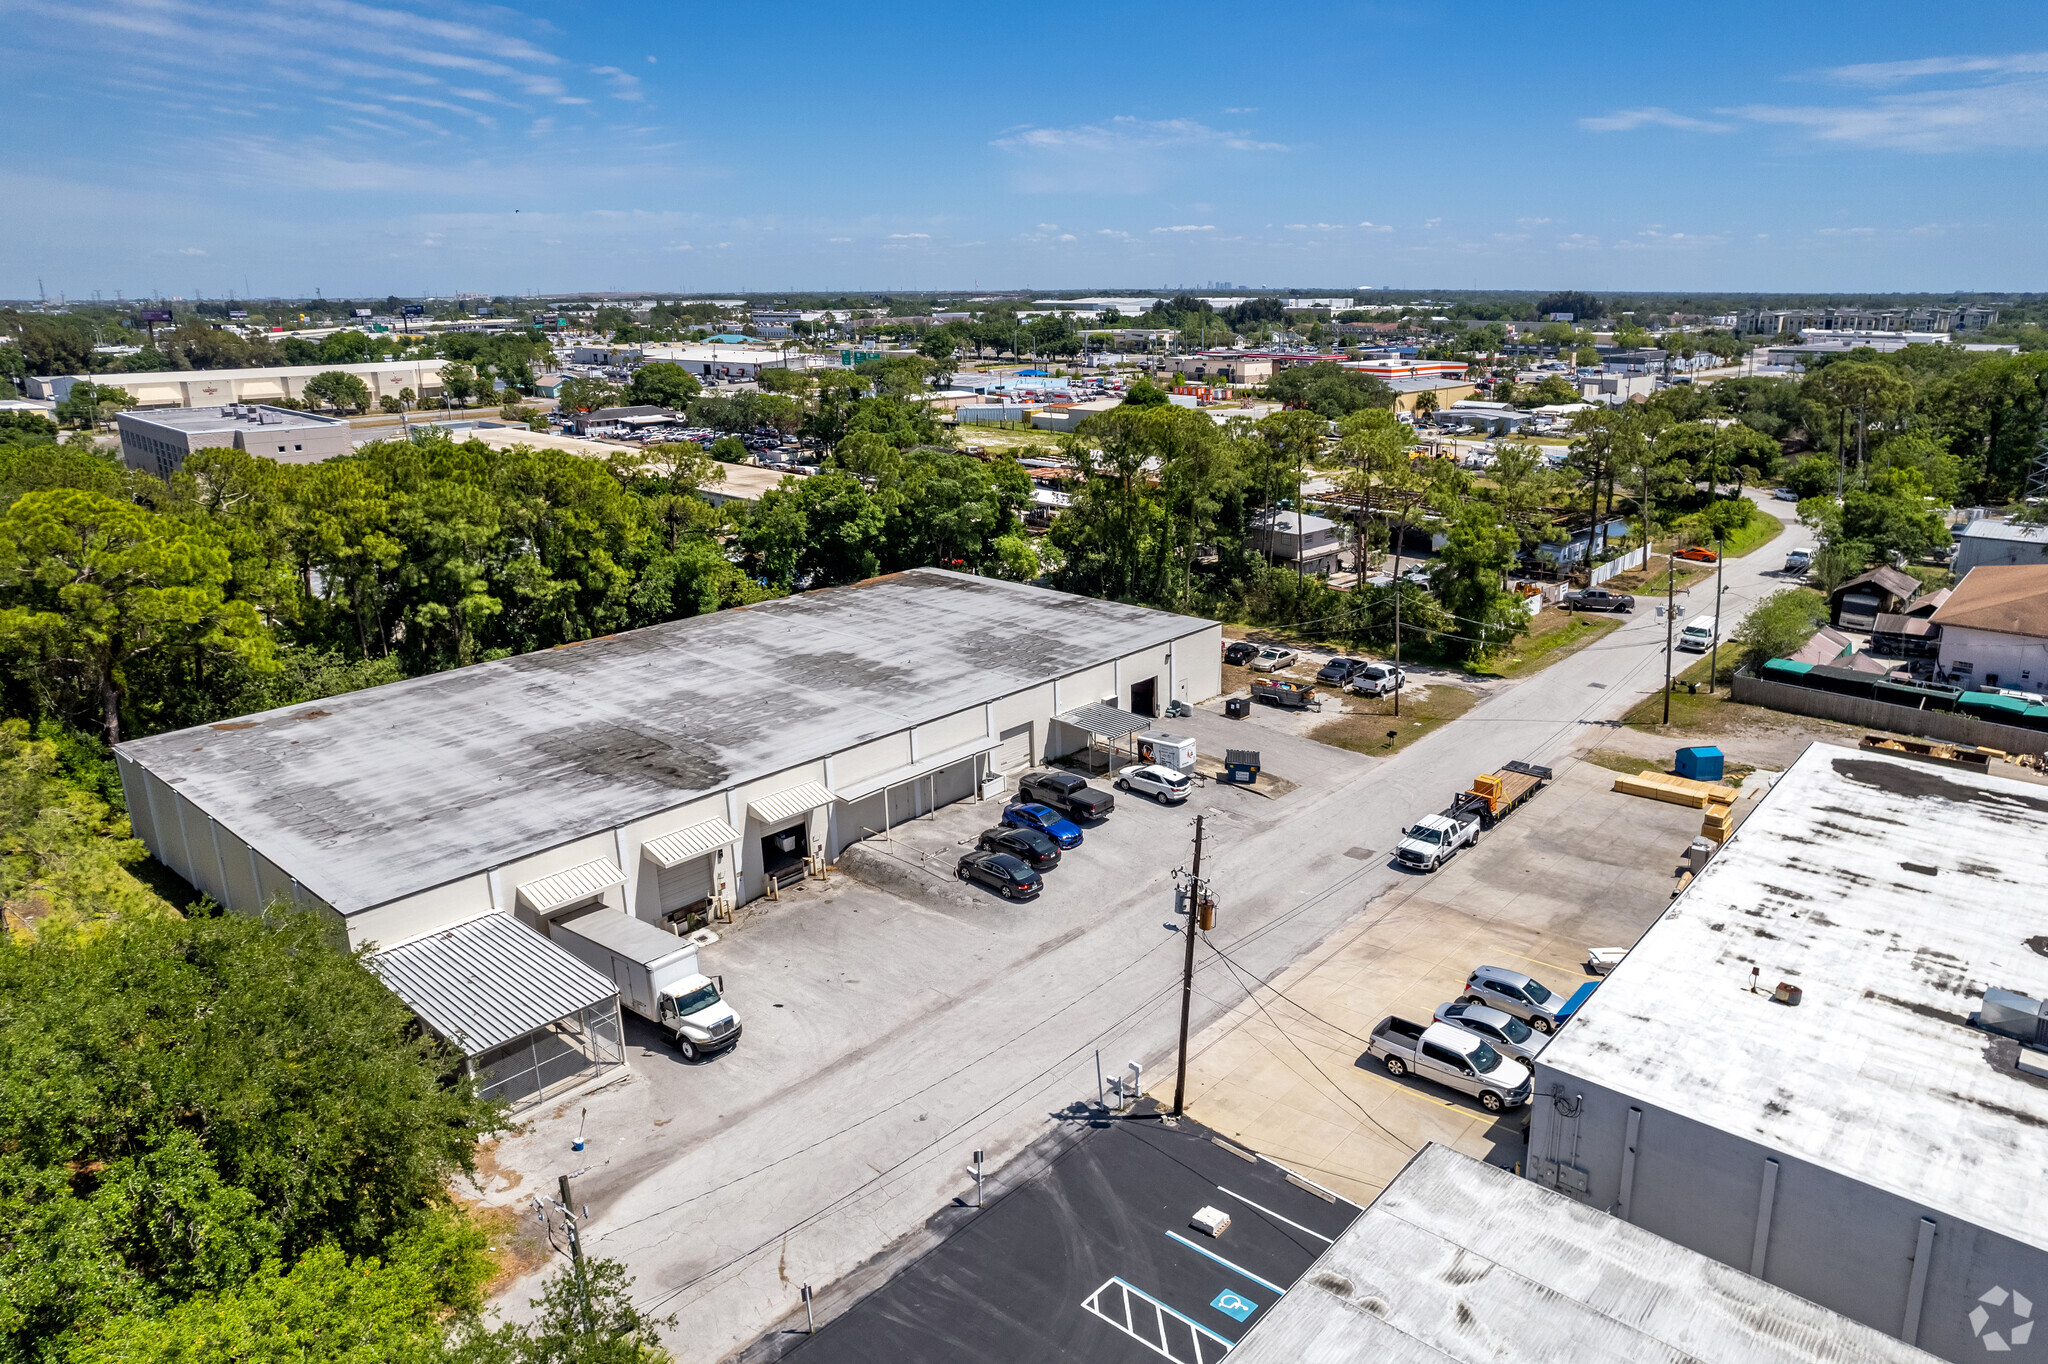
pixel 1649 579
pixel 1368 724
pixel 1555 635
pixel 1932 578
pixel 1761 530
pixel 1689 709
pixel 1628 764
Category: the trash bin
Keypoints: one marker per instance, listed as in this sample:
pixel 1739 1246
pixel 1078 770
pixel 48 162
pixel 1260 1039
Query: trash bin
pixel 1241 765
pixel 1237 707
pixel 1697 853
pixel 1699 764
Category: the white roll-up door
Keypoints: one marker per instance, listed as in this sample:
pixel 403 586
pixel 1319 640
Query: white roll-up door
pixel 686 883
pixel 1015 751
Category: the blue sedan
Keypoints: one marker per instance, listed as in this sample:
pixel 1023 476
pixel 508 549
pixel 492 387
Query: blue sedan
pixel 1047 821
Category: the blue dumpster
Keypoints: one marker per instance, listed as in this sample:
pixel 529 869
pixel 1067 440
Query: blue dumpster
pixel 1241 765
pixel 1700 764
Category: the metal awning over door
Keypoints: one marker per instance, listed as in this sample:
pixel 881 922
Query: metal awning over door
pixel 1105 721
pixel 674 849
pixel 784 806
pixel 577 884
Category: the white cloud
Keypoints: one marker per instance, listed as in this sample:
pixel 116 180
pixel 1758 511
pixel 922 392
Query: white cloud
pixel 1578 241
pixel 1312 227
pixel 190 251
pixel 1188 227
pixel 1532 222
pixel 909 236
pixel 2003 115
pixel 1124 135
pixel 682 246
pixel 624 86
pixel 1627 120
pixel 1893 73
pixel 1846 232
pixel 1376 227
pixel 838 239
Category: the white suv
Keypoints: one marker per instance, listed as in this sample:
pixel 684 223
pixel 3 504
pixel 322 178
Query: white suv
pixel 1163 784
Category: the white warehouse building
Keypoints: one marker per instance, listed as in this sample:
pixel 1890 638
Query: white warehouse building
pixel 1864 1144
pixel 655 772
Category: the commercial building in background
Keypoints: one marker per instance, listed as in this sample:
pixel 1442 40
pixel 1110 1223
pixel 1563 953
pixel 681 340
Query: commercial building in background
pixel 158 441
pixel 1993 628
pixel 1298 538
pixel 1459 1262
pixel 1985 541
pixel 214 387
pixel 656 772
pixel 1786 1073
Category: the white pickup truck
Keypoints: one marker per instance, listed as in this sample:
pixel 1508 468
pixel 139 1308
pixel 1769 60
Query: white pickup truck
pixel 1453 1058
pixel 657 976
pixel 1431 840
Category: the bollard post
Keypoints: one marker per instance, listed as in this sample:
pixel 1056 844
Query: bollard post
pixel 810 1322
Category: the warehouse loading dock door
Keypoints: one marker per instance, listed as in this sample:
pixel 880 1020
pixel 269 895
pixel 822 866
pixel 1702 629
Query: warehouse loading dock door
pixel 1144 697
pixel 783 853
pixel 1015 751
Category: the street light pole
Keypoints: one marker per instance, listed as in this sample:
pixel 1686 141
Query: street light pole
pixel 1670 612
pixel 1720 562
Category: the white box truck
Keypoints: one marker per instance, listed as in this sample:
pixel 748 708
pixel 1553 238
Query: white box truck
pixel 657 976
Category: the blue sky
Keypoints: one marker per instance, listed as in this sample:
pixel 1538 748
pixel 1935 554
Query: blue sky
pixel 375 146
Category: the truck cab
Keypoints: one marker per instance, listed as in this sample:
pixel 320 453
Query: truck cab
pixel 697 1018
pixel 1431 840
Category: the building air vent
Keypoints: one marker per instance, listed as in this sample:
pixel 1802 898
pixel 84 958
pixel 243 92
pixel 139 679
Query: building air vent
pixel 2014 1015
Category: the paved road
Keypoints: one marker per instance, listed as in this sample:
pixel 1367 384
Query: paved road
pixel 809 1184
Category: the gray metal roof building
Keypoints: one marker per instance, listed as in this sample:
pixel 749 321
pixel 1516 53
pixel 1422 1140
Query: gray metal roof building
pixel 1460 1262
pixel 1864 1146
pixel 410 806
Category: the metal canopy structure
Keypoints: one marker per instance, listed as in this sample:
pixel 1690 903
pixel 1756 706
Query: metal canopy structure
pixel 527 1015
pixel 1100 720
pixel 672 850
pixel 787 805
pixel 580 882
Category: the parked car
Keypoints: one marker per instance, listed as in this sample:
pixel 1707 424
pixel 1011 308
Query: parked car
pixel 1163 784
pixel 1047 821
pixel 1598 599
pixel 1698 554
pixel 1453 1058
pixel 1508 1034
pixel 1338 671
pixel 1699 635
pixel 1377 679
pixel 1001 872
pixel 1512 992
pixel 1067 792
pixel 1271 659
pixel 1029 846
pixel 1785 495
pixel 1239 652
pixel 1417 573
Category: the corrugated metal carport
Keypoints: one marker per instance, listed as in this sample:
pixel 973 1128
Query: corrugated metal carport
pixel 1100 720
pixel 528 1016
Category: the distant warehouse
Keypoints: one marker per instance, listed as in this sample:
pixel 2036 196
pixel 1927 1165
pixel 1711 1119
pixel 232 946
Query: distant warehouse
pixel 653 772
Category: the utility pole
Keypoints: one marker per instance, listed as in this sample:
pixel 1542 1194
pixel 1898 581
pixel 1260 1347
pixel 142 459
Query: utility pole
pixel 1670 614
pixel 576 1254
pixel 1187 974
pixel 1400 526
pixel 1720 562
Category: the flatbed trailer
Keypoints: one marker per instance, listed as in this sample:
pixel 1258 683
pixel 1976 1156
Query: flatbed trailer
pixel 1496 794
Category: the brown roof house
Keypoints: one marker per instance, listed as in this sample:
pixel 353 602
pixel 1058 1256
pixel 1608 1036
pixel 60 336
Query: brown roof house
pixel 1857 604
pixel 1994 628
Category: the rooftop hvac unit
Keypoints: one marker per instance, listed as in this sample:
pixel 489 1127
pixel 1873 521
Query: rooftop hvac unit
pixel 2014 1015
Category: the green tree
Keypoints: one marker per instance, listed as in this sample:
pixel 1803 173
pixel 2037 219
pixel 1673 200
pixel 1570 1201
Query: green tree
pixel 338 389
pixel 63 851
pixel 89 586
pixel 663 384
pixel 587 395
pixel 1144 393
pixel 239 1091
pixel 1470 577
pixel 814 532
pixel 459 381
pixel 1778 625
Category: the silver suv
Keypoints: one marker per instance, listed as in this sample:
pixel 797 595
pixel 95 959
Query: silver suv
pixel 1512 992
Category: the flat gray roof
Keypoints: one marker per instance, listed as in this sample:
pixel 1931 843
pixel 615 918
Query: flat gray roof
pixel 1892 892
pixel 1461 1262
pixel 1984 528
pixel 378 794
pixel 236 417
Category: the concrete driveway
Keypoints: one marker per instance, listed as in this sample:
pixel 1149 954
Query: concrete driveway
pixel 916 1029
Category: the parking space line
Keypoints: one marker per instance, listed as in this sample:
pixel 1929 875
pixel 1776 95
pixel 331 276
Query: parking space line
pixel 1538 961
pixel 1326 1240
pixel 1236 1269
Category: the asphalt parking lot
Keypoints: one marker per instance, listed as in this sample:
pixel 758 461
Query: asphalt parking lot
pixel 1095 1259
pixel 1285 1072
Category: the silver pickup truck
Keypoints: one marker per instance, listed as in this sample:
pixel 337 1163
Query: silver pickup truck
pixel 1453 1058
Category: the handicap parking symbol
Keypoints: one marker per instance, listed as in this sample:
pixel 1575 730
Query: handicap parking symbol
pixel 1232 1306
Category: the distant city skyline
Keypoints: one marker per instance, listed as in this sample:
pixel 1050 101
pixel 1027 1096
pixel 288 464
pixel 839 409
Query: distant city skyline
pixel 359 147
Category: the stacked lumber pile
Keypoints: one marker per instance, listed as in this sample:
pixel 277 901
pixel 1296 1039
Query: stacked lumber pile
pixel 1699 795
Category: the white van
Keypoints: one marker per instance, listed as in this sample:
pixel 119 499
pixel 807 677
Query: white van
pixel 1699 636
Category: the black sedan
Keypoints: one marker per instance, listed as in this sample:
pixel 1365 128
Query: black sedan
pixel 1001 872
pixel 1032 848
pixel 1239 652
